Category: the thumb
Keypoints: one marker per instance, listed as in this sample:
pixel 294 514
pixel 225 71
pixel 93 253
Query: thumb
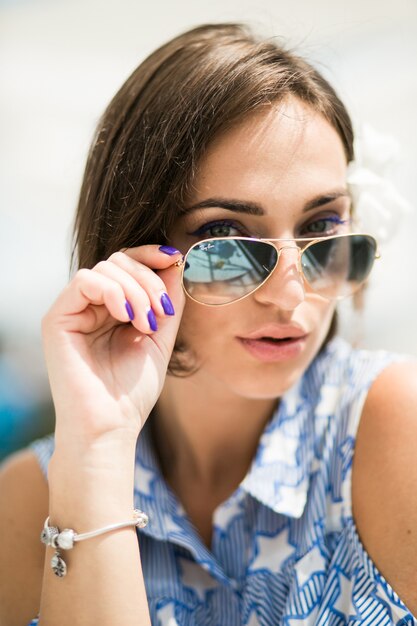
pixel 169 325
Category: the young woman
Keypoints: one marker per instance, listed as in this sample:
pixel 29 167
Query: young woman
pixel 196 374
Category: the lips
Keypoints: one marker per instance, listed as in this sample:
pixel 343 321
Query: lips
pixel 273 343
pixel 276 332
pixel 274 339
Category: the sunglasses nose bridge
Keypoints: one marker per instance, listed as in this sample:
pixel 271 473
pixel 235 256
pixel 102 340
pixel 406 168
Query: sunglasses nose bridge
pixel 281 248
pixel 285 285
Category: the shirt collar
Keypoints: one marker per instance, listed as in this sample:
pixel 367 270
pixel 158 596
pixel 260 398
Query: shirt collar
pixel 152 494
pixel 167 518
pixel 279 475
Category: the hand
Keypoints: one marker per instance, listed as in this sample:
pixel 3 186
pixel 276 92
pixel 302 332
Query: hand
pixel 106 374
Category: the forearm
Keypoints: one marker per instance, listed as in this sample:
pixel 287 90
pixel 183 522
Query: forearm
pixel 103 586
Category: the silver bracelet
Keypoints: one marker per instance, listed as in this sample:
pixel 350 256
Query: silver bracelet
pixel 65 539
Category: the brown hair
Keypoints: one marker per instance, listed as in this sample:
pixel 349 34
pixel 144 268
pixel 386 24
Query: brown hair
pixel 156 129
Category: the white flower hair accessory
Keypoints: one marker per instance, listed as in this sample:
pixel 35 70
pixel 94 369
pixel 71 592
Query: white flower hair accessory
pixel 378 205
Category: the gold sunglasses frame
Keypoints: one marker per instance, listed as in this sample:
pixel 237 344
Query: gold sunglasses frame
pixel 300 249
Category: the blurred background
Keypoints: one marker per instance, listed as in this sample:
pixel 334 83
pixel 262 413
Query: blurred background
pixel 61 61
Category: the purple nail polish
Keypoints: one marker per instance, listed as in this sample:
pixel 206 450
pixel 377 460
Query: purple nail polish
pixel 152 320
pixel 169 250
pixel 167 304
pixel 129 310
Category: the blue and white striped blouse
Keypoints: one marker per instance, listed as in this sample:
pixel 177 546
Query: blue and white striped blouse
pixel 285 550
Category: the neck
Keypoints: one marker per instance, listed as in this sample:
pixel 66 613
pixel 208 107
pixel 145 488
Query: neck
pixel 211 436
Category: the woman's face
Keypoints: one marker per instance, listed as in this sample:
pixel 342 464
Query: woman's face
pixel 288 166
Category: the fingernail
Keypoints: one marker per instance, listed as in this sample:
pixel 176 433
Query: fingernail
pixel 169 250
pixel 167 304
pixel 152 320
pixel 129 310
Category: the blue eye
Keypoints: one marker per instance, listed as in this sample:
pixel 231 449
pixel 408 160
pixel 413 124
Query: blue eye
pixel 324 226
pixel 219 228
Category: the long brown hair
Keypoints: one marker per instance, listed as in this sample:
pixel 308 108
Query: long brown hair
pixel 157 127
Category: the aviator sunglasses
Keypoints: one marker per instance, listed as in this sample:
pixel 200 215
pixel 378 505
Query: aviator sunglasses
pixel 223 270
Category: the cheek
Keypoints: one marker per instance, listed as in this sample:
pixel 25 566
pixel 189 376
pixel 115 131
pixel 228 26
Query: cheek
pixel 325 310
pixel 323 318
pixel 203 327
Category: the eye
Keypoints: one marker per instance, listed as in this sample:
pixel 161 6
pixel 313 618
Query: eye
pixel 219 228
pixel 324 226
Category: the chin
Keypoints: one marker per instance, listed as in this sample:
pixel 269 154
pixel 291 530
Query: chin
pixel 269 388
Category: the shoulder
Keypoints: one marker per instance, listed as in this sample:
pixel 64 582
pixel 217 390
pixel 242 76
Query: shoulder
pixel 384 478
pixel 23 509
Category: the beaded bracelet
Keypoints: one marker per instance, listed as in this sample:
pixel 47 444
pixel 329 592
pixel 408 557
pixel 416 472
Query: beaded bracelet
pixel 65 539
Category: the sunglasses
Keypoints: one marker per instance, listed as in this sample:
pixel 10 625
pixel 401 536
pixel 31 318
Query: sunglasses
pixel 224 270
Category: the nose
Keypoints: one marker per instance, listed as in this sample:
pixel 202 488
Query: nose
pixel 285 286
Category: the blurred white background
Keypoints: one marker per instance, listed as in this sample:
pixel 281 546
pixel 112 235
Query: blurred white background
pixel 62 60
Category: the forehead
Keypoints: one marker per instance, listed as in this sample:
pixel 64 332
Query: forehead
pixel 285 145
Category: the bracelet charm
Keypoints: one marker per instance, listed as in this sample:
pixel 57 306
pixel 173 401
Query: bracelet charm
pixel 59 567
pixel 65 539
pixel 48 533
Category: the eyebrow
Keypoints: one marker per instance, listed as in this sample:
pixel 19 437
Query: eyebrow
pixel 253 208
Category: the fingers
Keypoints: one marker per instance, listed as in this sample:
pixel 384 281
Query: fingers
pixel 129 273
pixel 127 288
pixel 155 257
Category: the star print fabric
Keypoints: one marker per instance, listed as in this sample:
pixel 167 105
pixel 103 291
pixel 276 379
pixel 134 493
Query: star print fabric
pixel 285 550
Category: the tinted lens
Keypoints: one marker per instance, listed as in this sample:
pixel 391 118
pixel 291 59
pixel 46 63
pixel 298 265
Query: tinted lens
pixel 338 267
pixel 219 271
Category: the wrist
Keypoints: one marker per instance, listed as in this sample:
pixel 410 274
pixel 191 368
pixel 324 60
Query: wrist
pixel 110 453
pixel 119 442
pixel 88 487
